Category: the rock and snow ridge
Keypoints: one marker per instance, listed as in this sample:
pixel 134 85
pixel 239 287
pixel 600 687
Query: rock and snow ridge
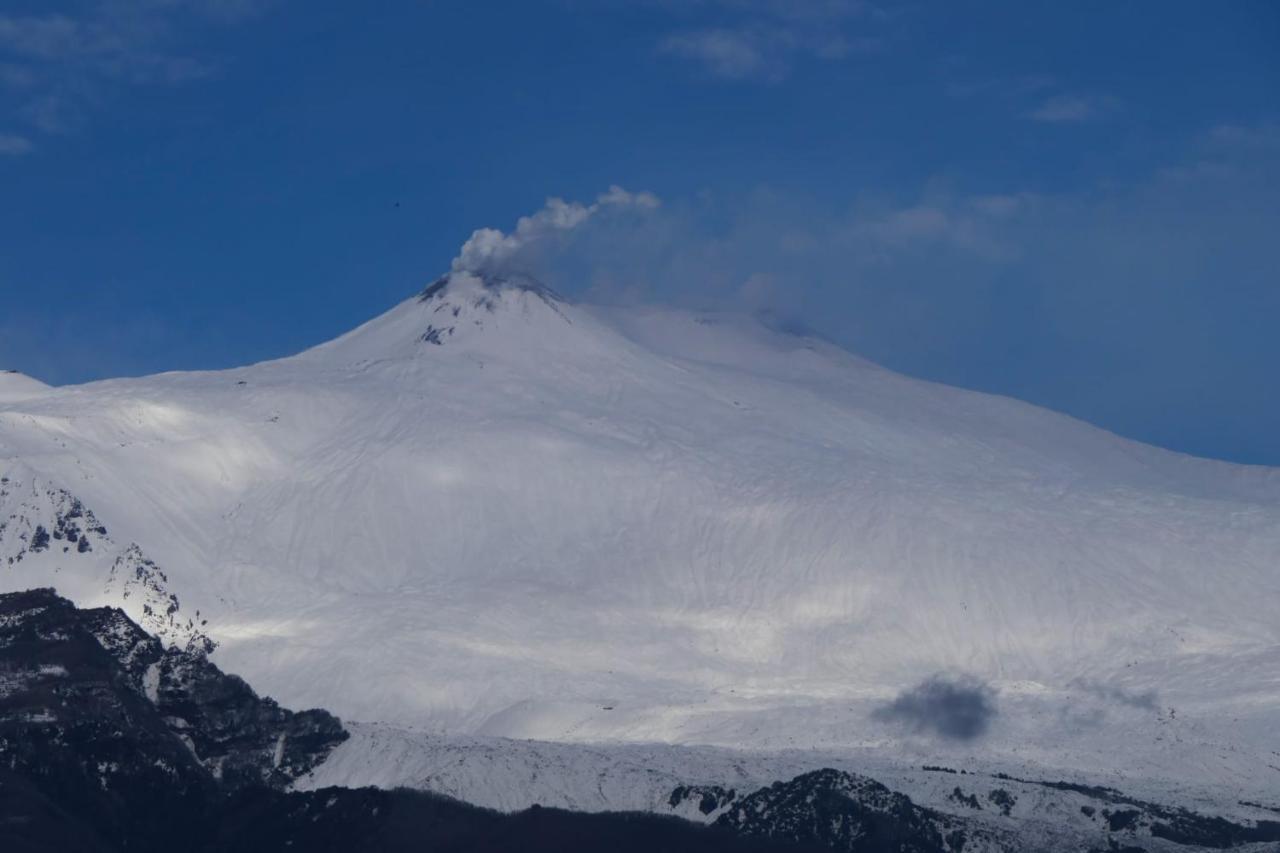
pixel 75 673
pixel 93 759
pixel 109 741
pixel 494 512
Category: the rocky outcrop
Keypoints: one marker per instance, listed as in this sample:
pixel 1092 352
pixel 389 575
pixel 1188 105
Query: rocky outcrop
pixel 84 756
pixel 239 737
pixel 45 529
pixel 710 800
pixel 53 654
pixel 842 811
pixel 44 518
pixel 110 742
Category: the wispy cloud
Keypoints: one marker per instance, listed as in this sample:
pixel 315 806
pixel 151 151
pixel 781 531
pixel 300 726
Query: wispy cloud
pixel 1061 109
pixel 999 289
pixel 726 53
pixel 1245 137
pixel 58 64
pixel 760 39
pixel 12 145
pixel 1039 97
pixel 970 224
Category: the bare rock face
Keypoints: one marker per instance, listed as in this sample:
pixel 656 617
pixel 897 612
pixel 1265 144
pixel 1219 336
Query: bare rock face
pixel 76 677
pixel 36 518
pixel 239 737
pixel 45 530
pixel 87 760
pixel 843 811
pixel 110 742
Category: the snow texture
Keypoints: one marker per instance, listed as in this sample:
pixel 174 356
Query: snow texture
pixel 490 512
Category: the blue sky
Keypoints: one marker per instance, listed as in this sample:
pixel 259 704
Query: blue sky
pixel 1073 203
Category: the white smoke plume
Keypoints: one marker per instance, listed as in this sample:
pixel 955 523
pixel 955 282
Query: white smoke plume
pixel 490 250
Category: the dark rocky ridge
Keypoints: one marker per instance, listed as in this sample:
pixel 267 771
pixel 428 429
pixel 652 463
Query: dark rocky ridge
pixel 239 737
pixel 109 742
pixel 65 671
pixel 842 811
pixel 39 519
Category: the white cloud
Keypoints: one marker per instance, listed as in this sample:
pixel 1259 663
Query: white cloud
pixel 1235 136
pixel 1061 109
pixel 1122 302
pixel 762 39
pixel 974 225
pixel 42 37
pixel 491 250
pixel 12 145
pixel 61 63
pixel 725 53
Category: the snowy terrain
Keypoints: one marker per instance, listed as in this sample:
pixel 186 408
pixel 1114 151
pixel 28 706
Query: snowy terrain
pixel 18 386
pixel 491 513
pixel 510 775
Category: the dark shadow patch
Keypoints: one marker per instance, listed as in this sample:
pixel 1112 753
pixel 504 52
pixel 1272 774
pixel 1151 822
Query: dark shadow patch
pixel 958 708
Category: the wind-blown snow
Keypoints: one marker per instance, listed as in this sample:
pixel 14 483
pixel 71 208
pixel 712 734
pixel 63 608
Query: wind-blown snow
pixel 493 512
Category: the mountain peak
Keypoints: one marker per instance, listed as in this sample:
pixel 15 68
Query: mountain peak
pixel 468 300
pixel 462 308
pixel 484 287
pixel 15 385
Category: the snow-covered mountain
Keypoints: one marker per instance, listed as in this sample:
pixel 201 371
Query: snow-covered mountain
pixel 494 512
pixel 18 386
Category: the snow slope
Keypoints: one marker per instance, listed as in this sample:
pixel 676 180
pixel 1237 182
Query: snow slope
pixel 493 512
pixel 16 386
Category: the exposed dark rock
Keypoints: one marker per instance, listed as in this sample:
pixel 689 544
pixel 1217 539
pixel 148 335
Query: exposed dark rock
pixel 83 751
pixel 111 742
pixel 970 800
pixel 1002 800
pixel 90 761
pixel 134 576
pixel 1171 823
pixel 711 798
pixel 41 516
pixel 1202 831
pixel 845 812
pixel 1121 819
pixel 240 737
pixel 236 735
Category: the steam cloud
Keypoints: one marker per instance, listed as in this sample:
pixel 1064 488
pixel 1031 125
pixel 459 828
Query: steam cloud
pixel 489 250
pixel 959 708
